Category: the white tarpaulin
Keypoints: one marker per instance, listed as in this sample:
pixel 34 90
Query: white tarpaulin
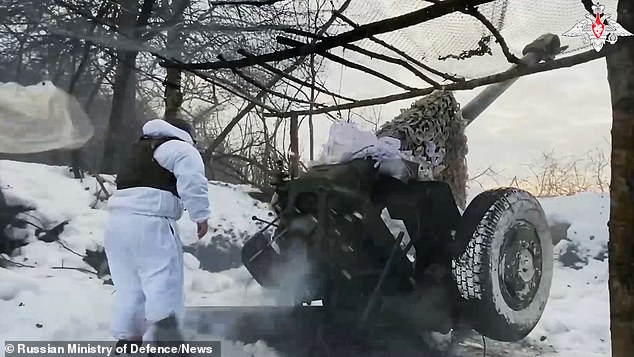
pixel 40 118
pixel 348 142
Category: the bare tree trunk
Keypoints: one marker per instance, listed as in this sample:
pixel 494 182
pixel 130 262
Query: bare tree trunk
pixel 76 158
pixel 621 247
pixel 97 85
pixel 294 146
pixel 123 112
pixel 20 64
pixel 173 92
pixel 311 127
pixel 124 94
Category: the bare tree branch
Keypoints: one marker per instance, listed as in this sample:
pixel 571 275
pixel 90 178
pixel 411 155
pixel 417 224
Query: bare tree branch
pixel 75 268
pixel 289 42
pixel 364 31
pixel 277 71
pixel 214 145
pixel 240 3
pixel 248 160
pixel 474 83
pixel 498 37
pixel 402 53
pixel 103 10
pixel 398 61
pixel 371 54
pixel 263 87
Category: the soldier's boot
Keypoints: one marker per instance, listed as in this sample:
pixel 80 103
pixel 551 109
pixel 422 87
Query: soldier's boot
pixel 168 334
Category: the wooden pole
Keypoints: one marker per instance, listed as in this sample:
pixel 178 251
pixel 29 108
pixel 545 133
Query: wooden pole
pixel 294 152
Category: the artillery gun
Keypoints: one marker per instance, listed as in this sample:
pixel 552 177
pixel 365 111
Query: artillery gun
pixel 386 253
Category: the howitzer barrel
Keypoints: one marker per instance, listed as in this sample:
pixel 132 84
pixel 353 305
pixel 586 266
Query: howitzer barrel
pixel 546 47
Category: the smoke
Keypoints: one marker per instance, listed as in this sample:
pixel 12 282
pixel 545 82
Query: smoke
pixel 287 333
pixel 250 324
pixel 295 274
pixel 294 270
pixel 429 307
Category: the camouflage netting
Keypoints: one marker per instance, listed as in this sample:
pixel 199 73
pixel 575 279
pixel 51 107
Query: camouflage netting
pixel 433 130
pixel 459 43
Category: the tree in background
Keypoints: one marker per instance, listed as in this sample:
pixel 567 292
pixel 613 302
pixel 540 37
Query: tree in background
pixel 106 53
pixel 620 64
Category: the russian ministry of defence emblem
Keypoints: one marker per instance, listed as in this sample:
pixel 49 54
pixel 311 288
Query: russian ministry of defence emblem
pixel 598 29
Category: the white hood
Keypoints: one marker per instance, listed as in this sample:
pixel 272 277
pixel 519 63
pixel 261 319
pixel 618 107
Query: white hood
pixel 159 127
pixel 180 158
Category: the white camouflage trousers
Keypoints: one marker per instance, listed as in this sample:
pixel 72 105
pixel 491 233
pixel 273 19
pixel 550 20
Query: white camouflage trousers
pixel 145 256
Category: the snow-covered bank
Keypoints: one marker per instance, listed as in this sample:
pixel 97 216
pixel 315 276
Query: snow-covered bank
pixel 44 297
pixel 576 321
pixel 48 301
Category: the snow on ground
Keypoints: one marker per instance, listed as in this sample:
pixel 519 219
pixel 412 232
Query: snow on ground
pixel 44 300
pixel 231 213
pixel 576 321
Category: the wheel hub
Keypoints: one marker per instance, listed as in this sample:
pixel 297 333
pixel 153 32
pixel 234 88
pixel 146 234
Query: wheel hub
pixel 520 265
pixel 526 267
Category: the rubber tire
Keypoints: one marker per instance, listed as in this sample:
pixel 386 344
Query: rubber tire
pixel 476 257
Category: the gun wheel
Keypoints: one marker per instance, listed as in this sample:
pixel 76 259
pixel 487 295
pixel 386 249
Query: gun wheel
pixel 503 263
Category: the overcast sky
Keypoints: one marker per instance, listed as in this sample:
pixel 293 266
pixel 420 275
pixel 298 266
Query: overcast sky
pixel 567 110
